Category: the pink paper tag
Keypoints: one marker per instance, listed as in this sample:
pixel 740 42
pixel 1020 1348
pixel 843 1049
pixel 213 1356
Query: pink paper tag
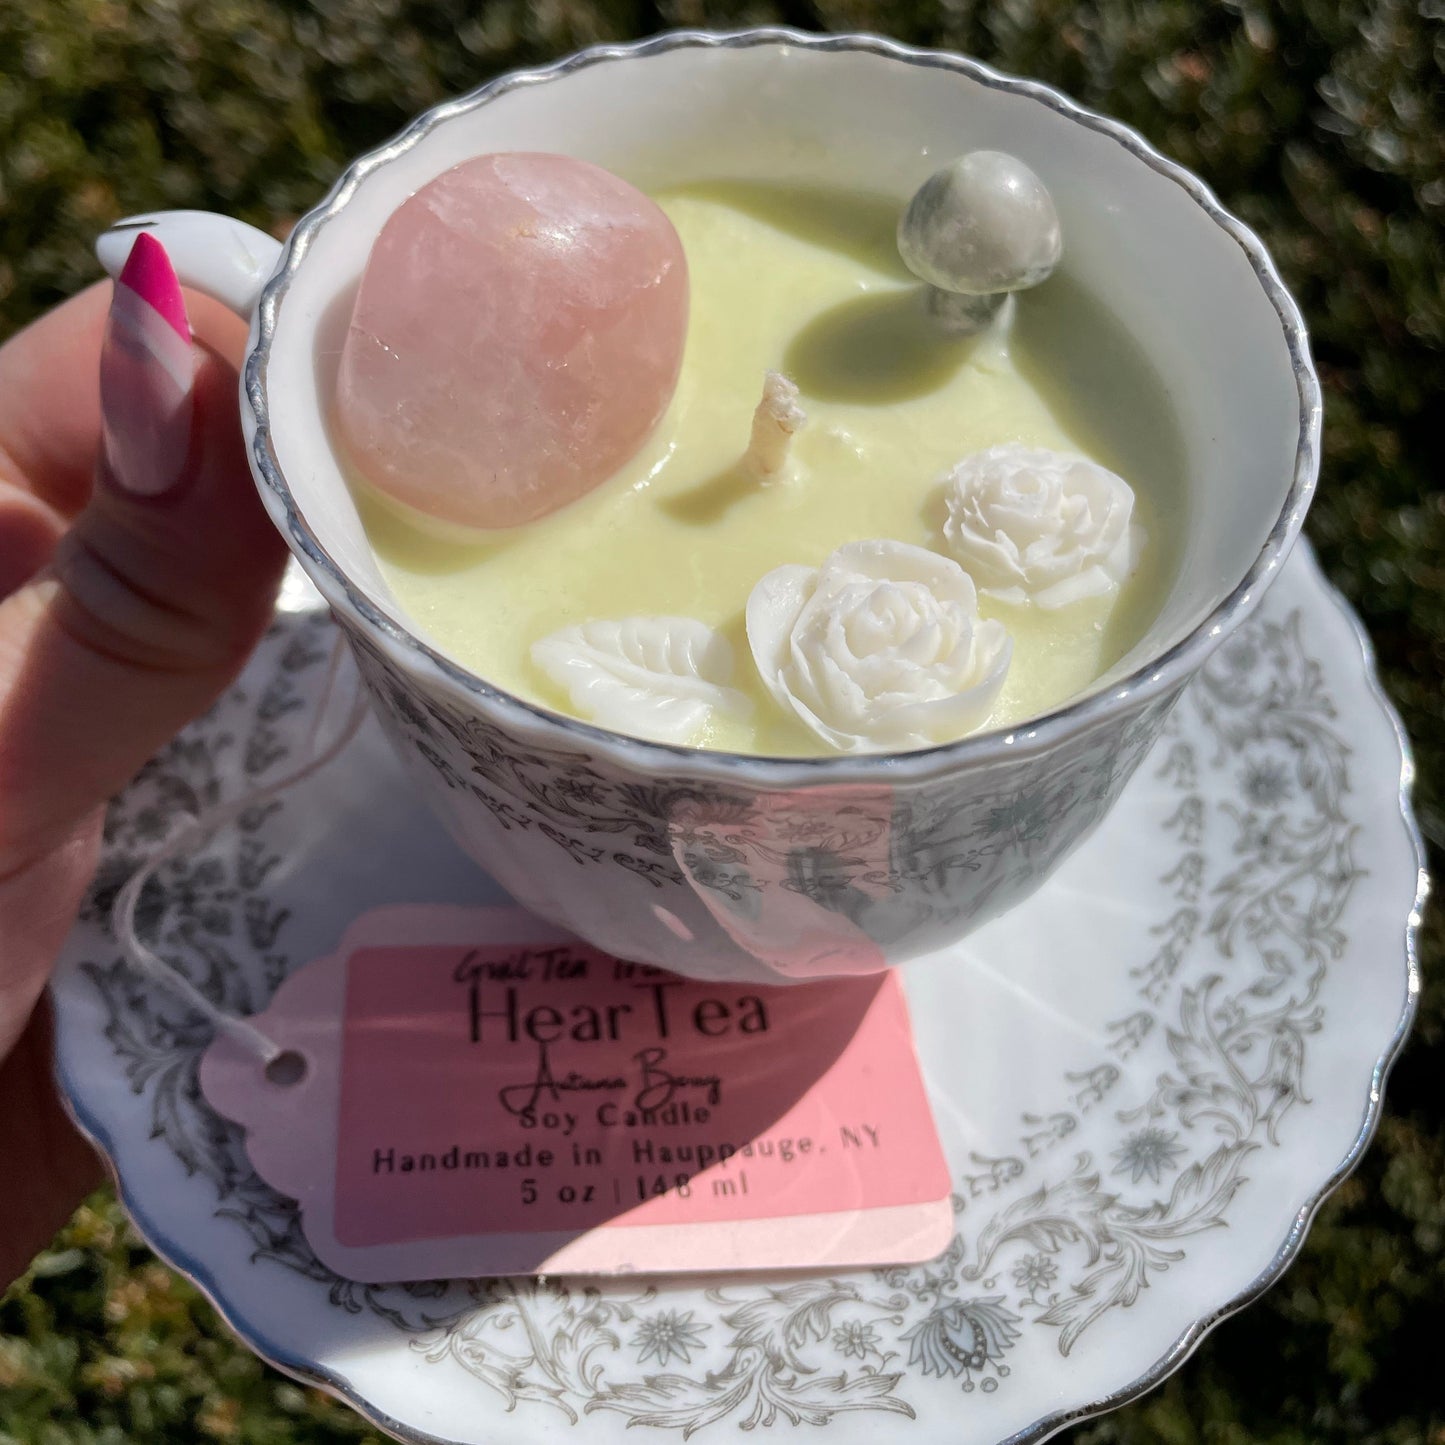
pixel 480 1093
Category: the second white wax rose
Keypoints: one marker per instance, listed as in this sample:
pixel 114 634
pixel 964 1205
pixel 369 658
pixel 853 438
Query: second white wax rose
pixel 1039 526
pixel 882 647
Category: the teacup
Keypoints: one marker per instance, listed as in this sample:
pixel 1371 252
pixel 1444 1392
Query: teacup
pixel 724 866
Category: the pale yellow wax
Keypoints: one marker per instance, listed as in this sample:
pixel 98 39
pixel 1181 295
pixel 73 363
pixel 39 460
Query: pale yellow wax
pixel 809 285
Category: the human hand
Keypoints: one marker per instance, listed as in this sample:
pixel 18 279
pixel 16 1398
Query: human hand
pixel 137 570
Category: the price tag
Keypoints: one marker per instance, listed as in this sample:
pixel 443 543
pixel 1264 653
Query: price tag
pixel 470 1092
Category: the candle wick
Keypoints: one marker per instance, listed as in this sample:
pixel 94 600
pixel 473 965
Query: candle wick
pixel 777 418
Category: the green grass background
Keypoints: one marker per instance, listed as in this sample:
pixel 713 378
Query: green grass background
pixel 1323 124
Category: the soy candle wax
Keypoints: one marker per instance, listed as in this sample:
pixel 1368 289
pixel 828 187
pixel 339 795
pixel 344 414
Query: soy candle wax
pixel 809 286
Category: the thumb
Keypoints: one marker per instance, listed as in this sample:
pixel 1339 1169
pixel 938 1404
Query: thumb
pixel 156 593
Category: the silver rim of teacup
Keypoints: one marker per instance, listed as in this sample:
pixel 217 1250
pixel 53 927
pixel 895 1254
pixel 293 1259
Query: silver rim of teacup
pixel 1156 678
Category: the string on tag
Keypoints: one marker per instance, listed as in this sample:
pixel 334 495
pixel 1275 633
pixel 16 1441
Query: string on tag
pixel 194 832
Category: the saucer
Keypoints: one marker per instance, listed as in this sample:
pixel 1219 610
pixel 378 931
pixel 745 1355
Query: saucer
pixel 1145 1080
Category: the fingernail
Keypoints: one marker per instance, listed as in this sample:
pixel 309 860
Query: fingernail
pixel 147 371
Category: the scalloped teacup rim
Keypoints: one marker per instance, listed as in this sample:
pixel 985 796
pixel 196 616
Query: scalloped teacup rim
pixel 1154 678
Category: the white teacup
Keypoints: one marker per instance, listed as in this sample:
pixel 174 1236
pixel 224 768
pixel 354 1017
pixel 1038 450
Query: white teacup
pixel 724 866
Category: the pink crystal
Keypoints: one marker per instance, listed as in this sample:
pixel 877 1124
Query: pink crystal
pixel 516 338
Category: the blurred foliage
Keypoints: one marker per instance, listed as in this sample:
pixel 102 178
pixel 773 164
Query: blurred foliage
pixel 1322 122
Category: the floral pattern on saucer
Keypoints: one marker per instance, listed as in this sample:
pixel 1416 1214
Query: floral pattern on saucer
pixel 1075 1213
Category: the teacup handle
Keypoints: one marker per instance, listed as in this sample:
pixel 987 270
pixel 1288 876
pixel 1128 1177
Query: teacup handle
pixel 224 258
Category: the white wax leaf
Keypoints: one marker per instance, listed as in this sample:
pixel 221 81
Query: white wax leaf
pixel 660 678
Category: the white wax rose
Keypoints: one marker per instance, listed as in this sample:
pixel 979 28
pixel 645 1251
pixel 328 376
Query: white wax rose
pixel 881 648
pixel 1031 525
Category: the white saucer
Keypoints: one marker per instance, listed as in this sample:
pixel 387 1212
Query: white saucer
pixel 1146 1080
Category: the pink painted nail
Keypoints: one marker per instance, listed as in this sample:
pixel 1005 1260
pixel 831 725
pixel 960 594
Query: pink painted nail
pixel 147 370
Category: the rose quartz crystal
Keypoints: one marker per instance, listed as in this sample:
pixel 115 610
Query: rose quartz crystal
pixel 516 338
